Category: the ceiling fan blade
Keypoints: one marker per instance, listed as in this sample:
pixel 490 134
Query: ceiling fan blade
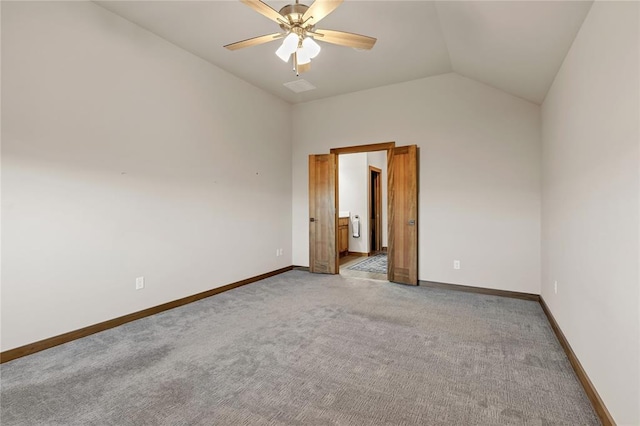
pixel 344 39
pixel 319 9
pixel 254 41
pixel 264 9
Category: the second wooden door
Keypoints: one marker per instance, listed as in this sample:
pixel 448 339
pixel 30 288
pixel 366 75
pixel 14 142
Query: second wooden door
pixel 403 215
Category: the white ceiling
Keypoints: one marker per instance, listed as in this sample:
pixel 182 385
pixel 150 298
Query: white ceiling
pixel 516 46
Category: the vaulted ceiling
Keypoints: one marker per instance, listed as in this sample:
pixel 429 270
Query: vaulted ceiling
pixel 516 46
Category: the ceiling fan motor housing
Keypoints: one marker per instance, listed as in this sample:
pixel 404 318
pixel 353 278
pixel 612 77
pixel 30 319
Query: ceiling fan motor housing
pixel 293 14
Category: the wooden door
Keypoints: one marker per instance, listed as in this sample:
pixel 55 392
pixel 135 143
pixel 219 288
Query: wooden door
pixel 323 255
pixel 403 215
pixel 375 209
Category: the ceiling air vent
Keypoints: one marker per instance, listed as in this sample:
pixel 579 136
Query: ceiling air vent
pixel 300 85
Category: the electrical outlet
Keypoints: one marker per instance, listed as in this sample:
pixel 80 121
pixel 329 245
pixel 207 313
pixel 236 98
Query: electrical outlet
pixel 456 264
pixel 139 283
pixel 555 287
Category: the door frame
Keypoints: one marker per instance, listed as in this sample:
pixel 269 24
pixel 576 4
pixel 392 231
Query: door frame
pixel 382 146
pixel 375 223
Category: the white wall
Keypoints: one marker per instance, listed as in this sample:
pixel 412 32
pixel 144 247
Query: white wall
pixel 122 156
pixel 479 173
pixel 590 212
pixel 352 192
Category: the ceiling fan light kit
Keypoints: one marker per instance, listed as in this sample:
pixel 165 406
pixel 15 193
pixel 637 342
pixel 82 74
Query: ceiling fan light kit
pixel 312 48
pixel 302 57
pixel 289 46
pixel 298 21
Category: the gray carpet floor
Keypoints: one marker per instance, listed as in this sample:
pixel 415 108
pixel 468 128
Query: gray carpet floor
pixel 305 349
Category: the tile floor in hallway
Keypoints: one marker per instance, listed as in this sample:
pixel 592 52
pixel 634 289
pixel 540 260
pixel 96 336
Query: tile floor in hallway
pixel 350 260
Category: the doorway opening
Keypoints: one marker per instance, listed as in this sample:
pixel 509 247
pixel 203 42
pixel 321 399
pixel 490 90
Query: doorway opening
pixel 402 211
pixel 362 191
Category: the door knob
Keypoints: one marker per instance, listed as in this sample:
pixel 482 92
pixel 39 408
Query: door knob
pixel 412 222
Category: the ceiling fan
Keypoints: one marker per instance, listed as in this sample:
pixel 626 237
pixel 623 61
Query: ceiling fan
pixel 298 22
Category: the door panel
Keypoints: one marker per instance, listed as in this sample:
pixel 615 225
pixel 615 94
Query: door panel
pixel 375 209
pixel 403 215
pixel 378 206
pixel 323 255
